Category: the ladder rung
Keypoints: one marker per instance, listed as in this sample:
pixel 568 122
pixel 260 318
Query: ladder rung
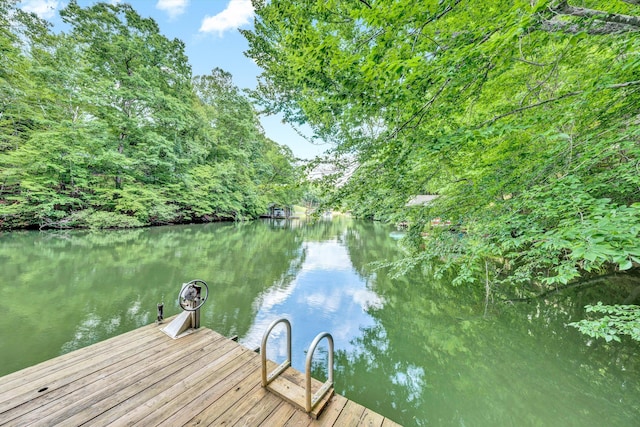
pixel 286 386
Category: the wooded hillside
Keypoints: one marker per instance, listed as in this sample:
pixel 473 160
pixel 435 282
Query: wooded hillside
pixel 105 126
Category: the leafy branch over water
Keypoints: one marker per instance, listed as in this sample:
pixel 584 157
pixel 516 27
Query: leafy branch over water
pixel 520 116
pixel 617 320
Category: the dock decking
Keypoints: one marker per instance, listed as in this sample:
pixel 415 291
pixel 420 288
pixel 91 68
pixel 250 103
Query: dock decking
pixel 145 378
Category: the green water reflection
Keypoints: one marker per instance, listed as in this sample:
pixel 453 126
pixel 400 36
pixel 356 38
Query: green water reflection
pixel 413 349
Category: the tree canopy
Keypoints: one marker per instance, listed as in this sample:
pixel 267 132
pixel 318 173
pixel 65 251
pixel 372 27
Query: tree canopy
pixel 521 116
pixel 105 126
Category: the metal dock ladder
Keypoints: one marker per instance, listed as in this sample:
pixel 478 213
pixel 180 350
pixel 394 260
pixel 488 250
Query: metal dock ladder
pixel 284 380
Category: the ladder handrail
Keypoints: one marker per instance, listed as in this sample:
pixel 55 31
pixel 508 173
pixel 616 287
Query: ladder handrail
pixel 263 352
pixel 309 401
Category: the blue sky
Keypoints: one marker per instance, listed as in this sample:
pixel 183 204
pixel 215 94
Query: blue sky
pixel 209 29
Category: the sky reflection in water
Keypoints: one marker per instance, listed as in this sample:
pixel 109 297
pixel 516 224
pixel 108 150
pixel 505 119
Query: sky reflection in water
pixel 327 295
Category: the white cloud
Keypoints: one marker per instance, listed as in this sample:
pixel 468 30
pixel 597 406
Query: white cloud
pixel 172 7
pixel 45 9
pixel 235 15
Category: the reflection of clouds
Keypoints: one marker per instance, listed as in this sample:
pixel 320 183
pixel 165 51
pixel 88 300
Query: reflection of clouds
pixel 277 341
pixel 136 314
pixel 326 303
pixel 413 380
pixel 275 296
pixel 328 255
pixel 326 295
pixel 134 309
pixel 94 328
pixel 330 301
pixel 267 312
pixel 365 298
pixel 343 332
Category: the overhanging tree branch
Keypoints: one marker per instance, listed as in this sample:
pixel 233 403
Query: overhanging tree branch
pixel 557 98
pixel 601 28
pixel 579 283
pixel 528 107
pixel 564 8
pixel 421 111
pixel 625 84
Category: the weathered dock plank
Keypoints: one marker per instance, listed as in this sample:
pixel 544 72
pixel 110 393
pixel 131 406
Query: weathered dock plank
pixel 130 381
pixel 350 415
pixel 145 378
pixel 85 402
pixel 371 419
pixel 50 387
pixel 109 345
pixel 332 412
pixel 174 385
pixel 40 375
pixel 171 401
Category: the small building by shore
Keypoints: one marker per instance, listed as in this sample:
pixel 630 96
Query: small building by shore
pixel 278 211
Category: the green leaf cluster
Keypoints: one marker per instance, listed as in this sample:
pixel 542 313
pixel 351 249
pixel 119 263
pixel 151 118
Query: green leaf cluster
pixel 617 320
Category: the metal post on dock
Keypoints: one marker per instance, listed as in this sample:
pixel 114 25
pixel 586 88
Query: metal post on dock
pixel 160 317
pixel 195 314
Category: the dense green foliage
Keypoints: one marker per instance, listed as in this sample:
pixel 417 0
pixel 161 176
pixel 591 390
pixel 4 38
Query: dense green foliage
pixel 105 126
pixel 521 116
pixel 527 130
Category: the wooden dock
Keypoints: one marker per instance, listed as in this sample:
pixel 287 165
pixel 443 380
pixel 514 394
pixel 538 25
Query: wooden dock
pixel 145 378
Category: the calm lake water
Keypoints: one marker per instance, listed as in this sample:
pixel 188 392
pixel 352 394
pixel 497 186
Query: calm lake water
pixel 414 349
